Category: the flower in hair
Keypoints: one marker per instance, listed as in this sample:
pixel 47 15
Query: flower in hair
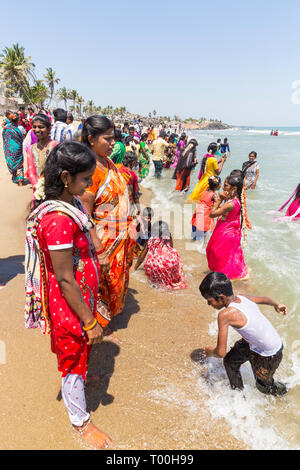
pixel 39 193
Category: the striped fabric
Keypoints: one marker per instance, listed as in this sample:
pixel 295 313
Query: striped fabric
pixel 61 132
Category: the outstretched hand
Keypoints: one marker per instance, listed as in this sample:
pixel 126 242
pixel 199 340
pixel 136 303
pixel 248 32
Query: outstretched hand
pixel 281 308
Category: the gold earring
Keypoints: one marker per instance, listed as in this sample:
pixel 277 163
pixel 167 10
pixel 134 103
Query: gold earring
pixel 66 185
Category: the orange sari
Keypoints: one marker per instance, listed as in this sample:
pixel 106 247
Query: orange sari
pixel 113 226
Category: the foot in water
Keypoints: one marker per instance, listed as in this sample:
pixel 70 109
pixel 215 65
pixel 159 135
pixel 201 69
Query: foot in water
pixel 93 436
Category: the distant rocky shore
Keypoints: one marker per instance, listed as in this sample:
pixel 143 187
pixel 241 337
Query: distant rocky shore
pixel 205 125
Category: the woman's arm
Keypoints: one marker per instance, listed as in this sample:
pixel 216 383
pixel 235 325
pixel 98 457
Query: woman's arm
pixel 217 211
pixel 256 178
pixel 62 262
pixel 142 257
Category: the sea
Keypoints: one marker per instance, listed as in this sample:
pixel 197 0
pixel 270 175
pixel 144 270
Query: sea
pixel 272 253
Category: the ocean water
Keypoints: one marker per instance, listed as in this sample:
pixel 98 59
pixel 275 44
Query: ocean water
pixel 273 255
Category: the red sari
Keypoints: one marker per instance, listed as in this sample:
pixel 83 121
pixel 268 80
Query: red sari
pixel 68 341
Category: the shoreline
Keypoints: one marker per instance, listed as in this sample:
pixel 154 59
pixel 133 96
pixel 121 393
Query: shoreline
pixel 147 384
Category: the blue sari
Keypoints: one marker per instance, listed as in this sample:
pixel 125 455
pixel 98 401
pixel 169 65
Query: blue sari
pixel 13 151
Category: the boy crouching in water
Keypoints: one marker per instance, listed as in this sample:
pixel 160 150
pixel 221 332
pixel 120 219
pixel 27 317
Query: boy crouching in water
pixel 261 345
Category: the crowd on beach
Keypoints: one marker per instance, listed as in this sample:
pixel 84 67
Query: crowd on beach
pixel 87 229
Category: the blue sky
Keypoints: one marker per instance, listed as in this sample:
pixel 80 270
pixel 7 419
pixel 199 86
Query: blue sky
pixel 235 61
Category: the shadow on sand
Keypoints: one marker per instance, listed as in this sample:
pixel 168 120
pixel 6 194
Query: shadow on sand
pixel 10 267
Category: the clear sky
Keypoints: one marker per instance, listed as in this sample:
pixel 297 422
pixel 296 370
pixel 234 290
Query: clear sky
pixel 232 60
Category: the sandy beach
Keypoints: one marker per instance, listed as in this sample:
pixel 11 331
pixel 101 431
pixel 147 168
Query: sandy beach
pixel 141 401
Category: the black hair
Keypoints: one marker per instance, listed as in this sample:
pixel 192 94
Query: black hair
pixel 148 211
pixel 118 135
pixel 160 229
pixel 60 114
pixel 95 125
pixel 43 118
pixel 129 157
pixel 70 116
pixel 253 153
pixel 73 157
pixel 144 137
pixel 238 182
pixel 239 173
pixel 214 182
pixel 214 285
pixel 212 148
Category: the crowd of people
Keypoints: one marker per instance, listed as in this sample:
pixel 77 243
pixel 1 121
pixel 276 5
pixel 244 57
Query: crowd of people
pixel 86 228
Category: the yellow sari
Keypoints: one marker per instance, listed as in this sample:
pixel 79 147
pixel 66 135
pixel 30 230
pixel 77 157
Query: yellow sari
pixel 202 185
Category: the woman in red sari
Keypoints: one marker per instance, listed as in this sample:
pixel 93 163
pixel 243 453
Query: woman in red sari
pixel 62 277
pixel 107 202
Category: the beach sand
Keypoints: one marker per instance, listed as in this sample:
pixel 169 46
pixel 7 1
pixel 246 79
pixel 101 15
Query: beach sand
pixel 147 397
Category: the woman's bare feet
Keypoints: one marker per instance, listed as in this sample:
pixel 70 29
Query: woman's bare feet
pixel 108 334
pixel 93 436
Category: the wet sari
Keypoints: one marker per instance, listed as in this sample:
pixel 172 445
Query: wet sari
pixel 113 224
pixel 144 163
pixel 13 151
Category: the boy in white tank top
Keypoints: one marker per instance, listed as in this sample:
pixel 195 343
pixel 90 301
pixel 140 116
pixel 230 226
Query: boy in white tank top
pixel 260 344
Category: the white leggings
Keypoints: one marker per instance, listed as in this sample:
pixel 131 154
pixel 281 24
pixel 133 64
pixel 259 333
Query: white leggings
pixel 72 391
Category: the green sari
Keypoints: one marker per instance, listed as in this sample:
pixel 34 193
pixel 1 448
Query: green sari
pixel 144 163
pixel 118 152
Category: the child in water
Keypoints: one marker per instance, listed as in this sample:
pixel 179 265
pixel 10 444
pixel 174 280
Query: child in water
pixel 260 343
pixel 201 222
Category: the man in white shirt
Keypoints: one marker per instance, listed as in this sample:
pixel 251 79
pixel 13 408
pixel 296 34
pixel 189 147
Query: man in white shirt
pixel 60 131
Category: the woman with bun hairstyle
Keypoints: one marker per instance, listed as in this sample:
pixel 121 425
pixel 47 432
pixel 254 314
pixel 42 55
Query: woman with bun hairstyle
pixel 62 276
pixel 210 166
pixel 224 252
pixel 107 202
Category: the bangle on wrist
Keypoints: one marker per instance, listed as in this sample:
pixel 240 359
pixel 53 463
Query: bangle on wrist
pixel 88 328
pixel 100 251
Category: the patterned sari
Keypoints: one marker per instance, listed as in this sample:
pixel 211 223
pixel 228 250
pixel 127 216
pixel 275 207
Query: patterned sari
pixel 13 151
pixel 112 219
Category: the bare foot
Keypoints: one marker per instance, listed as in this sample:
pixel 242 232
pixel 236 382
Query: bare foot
pixel 93 436
pixel 108 334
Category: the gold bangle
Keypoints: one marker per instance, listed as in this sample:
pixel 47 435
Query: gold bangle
pixel 88 328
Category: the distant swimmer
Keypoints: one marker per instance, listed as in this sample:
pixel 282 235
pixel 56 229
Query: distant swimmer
pixel 225 146
pixel 260 344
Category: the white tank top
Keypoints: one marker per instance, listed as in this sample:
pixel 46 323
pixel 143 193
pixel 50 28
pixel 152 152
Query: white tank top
pixel 258 331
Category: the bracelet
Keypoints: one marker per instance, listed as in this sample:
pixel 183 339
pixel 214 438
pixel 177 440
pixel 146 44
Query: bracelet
pixel 88 328
pixel 100 251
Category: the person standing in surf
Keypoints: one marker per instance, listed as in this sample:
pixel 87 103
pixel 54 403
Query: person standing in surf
pixel 261 345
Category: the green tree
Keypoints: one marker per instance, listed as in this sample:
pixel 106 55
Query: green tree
pixel 16 70
pixel 63 95
pixel 51 81
pixel 37 94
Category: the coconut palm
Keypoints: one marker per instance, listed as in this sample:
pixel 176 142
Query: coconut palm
pixel 51 81
pixel 38 93
pixel 63 95
pixel 73 95
pixel 80 102
pixel 16 70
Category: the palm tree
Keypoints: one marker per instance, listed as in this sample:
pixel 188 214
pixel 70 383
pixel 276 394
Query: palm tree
pixel 38 93
pixel 51 81
pixel 80 102
pixel 63 95
pixel 16 70
pixel 73 95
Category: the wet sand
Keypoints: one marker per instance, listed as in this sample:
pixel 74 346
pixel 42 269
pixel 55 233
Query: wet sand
pixel 147 397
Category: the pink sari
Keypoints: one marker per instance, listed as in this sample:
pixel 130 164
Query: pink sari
pixel 294 210
pixel 224 252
